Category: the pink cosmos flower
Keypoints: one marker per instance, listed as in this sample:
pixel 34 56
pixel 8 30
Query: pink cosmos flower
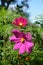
pixel 20 21
pixel 23 41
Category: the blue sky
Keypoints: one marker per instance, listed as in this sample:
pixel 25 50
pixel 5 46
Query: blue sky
pixel 36 8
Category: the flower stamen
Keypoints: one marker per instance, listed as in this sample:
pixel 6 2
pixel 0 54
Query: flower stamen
pixel 22 39
pixel 20 24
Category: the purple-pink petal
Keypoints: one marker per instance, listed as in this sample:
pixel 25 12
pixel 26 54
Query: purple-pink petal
pixel 29 45
pixel 15 21
pixel 14 39
pixel 28 50
pixel 16 32
pixel 17 46
pixel 20 19
pixel 28 36
pixel 22 49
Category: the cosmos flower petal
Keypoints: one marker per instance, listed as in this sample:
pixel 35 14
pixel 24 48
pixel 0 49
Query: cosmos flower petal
pixel 23 41
pixel 19 20
pixel 14 39
pixel 28 50
pixel 15 21
pixel 29 45
pixel 28 36
pixel 24 21
pixel 16 32
pixel 17 46
pixel 22 49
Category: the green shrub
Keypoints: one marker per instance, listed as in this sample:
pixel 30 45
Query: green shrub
pixel 10 57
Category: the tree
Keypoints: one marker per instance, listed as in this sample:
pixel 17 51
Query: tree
pixel 23 3
pixel 39 20
pixel 8 2
pixel 19 7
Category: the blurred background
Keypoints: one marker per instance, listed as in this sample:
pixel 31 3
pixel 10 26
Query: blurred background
pixel 33 11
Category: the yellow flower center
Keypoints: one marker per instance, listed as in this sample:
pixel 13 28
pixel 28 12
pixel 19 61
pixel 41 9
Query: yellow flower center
pixel 22 39
pixel 20 24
